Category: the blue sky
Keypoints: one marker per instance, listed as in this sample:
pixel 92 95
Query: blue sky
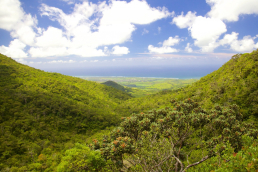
pixel 77 34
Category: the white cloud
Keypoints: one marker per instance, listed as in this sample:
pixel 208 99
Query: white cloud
pixel 86 51
pixel 245 45
pixel 61 61
pixel 229 10
pixel 206 32
pixel 135 12
pixel 10 14
pixel 113 23
pixel 188 48
pixel 15 49
pixel 145 31
pixel 166 46
pixel 14 20
pixel 184 21
pixel 120 50
pixel 48 51
pixel 52 37
pixel 171 41
pixel 69 2
pixel 21 61
pixel 161 50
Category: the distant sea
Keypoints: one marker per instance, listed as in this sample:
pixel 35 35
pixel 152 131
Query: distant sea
pixel 165 72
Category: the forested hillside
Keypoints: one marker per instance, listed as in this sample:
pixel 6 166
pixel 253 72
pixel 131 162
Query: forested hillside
pixel 46 118
pixel 115 85
pixel 42 111
pixel 235 82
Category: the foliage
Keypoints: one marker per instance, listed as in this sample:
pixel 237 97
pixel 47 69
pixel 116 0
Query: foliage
pixel 228 160
pixel 142 86
pixel 42 111
pixel 115 85
pixel 43 115
pixel 81 158
pixel 181 130
pixel 236 82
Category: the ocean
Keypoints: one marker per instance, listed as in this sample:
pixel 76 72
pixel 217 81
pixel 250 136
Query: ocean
pixel 155 72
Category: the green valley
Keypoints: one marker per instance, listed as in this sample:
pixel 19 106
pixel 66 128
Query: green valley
pixel 53 122
pixel 142 86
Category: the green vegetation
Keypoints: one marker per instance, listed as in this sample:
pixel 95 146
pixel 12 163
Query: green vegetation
pixel 175 139
pixel 140 87
pixel 47 121
pixel 46 113
pixel 115 85
pixel 236 82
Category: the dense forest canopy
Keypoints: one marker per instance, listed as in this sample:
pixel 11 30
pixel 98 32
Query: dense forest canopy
pixel 46 119
pixel 42 110
pixel 236 82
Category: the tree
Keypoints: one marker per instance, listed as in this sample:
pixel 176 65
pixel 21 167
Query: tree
pixel 81 158
pixel 175 138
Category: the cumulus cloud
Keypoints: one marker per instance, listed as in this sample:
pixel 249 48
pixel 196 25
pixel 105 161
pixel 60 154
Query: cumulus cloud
pixel 48 51
pixel 188 48
pixel 14 20
pixel 229 10
pixel 161 50
pixel 11 13
pixel 52 37
pixel 171 41
pixel 15 49
pixel 83 31
pixel 206 32
pixel 247 44
pixel 184 21
pixel 113 24
pixel 166 46
pixel 135 12
pixel 120 50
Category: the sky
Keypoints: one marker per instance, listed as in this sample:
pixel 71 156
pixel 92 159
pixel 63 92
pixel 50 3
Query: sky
pixel 77 37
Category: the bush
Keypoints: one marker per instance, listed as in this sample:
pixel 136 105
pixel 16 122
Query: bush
pixel 177 137
pixel 81 158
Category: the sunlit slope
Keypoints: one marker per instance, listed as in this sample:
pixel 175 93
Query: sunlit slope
pixel 38 107
pixel 55 94
pixel 235 82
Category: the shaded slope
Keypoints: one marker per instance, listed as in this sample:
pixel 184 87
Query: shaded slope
pixel 235 82
pixel 39 109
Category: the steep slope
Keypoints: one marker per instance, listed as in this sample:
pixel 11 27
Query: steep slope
pixel 235 82
pixel 39 110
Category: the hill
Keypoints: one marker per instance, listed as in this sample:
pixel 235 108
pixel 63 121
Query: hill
pixel 42 111
pixel 235 82
pixel 114 85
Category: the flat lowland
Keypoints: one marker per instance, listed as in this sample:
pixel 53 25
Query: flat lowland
pixel 142 86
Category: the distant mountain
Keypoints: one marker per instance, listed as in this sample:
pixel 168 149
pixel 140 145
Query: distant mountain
pixel 40 109
pixel 114 85
pixel 235 82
